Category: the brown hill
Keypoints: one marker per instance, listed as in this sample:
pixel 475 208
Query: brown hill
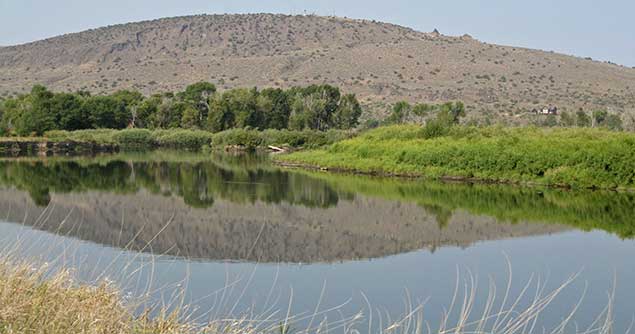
pixel 380 62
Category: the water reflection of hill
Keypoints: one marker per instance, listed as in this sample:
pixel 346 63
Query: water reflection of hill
pixel 359 228
pixel 222 205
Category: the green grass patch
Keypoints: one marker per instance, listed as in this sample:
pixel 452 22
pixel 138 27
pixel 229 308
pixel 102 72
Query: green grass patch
pixel 252 139
pixel 579 158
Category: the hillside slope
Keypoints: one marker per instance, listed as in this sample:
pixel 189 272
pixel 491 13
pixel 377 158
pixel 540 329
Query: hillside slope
pixel 380 62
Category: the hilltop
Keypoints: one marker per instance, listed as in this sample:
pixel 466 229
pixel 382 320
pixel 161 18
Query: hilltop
pixel 380 62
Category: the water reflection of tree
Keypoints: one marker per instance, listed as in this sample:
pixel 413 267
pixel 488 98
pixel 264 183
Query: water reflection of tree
pixel 198 183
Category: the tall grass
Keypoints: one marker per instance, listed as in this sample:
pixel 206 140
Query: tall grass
pixel 196 139
pixel 583 158
pixel 31 302
pixel 252 139
pixel 137 138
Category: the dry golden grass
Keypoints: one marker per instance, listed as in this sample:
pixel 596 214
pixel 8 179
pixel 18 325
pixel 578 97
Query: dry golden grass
pixel 31 302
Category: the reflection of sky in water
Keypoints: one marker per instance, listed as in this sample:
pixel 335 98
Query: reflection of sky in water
pixel 421 275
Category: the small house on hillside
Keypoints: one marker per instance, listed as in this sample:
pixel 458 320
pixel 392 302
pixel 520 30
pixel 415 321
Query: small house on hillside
pixel 546 111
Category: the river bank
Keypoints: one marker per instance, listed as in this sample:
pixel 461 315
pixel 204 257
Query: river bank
pixel 570 158
pixel 43 147
pixel 87 142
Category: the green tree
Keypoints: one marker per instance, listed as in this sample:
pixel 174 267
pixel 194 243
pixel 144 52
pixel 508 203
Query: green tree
pixel 146 112
pixel 243 103
pixel 169 114
pixel 599 117
pixel 131 101
pixel 68 111
pixel 313 107
pixel 198 96
pixel 190 118
pixel 400 113
pixel 421 109
pixel 566 119
pixel 297 117
pixel 550 121
pixel 451 113
pixel 348 112
pixel 10 115
pixel 614 122
pixel 106 112
pixel 36 115
pixel 582 119
pixel 274 104
pixel 197 93
pixel 221 117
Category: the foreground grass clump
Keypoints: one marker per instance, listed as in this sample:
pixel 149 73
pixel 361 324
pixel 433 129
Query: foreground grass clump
pixel 31 303
pixel 581 158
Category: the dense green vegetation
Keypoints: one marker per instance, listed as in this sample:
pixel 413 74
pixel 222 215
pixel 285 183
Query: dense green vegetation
pixel 249 139
pixel 199 106
pixel 563 157
pixel 137 138
pixel 403 112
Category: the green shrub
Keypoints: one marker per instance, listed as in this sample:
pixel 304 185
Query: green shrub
pixel 434 129
pixel 57 135
pixel 249 139
pixel 252 139
pixel 183 139
pixel 134 138
pixel 196 139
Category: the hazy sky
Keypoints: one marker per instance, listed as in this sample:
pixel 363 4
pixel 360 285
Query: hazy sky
pixel 604 30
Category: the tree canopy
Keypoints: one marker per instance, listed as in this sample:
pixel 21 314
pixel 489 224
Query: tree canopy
pixel 198 106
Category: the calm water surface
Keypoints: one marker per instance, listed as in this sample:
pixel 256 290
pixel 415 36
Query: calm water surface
pixel 239 235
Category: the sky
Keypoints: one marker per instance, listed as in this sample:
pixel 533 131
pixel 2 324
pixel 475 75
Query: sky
pixel 603 30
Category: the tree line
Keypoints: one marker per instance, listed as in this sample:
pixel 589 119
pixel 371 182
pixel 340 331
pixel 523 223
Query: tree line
pixel 199 106
pixel 598 118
